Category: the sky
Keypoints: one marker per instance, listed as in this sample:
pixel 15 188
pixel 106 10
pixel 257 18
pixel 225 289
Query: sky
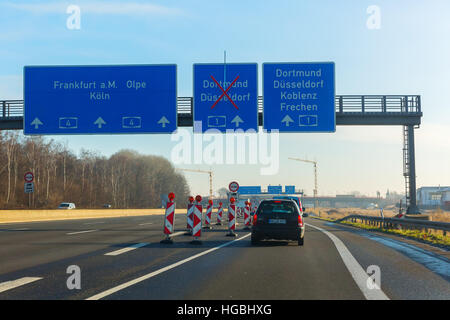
pixel 406 54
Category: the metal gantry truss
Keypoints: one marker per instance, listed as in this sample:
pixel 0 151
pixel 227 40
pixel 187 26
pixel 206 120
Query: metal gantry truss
pixel 351 110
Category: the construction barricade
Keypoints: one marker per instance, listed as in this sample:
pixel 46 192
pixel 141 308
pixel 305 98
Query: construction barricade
pixel 247 218
pixel 231 218
pixel 197 221
pixel 169 219
pixel 219 214
pixel 190 217
pixel 208 215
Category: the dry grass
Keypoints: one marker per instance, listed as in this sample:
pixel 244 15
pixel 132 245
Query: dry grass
pixel 334 214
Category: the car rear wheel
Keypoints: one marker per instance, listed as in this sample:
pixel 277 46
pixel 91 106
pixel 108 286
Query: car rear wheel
pixel 254 240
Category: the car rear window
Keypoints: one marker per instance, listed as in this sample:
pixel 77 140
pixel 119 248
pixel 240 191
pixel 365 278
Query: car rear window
pixel 290 198
pixel 284 207
pixel 64 205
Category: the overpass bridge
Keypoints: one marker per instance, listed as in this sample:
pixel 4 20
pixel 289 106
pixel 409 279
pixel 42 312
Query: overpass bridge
pixel 351 110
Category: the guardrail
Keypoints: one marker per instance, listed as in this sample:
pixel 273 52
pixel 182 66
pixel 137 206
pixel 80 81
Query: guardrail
pixel 396 222
pixel 11 108
pixel 345 104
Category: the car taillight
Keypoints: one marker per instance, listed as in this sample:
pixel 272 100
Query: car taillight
pixel 300 221
pixel 255 218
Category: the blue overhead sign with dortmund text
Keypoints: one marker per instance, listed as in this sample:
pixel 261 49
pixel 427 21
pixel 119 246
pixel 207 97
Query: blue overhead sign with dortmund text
pixel 299 97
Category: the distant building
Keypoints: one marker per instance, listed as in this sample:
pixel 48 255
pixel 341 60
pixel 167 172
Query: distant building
pixel 433 197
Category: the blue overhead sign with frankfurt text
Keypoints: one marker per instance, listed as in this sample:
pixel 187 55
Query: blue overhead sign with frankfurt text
pixel 100 99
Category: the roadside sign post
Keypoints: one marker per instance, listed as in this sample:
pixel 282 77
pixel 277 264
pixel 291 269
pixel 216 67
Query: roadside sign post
pixel 100 99
pixel 225 97
pixel 233 186
pixel 299 97
pixel 29 185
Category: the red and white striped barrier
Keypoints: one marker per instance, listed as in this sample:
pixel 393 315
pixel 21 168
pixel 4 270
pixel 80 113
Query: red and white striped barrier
pixel 247 217
pixel 208 215
pixel 400 215
pixel 197 221
pixel 169 219
pixel 231 218
pixel 219 214
pixel 190 218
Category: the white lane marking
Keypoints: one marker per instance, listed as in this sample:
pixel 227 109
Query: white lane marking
pixel 435 263
pixel 355 269
pixel 4 286
pixel 157 272
pixel 90 223
pixel 127 249
pixel 20 229
pixel 177 233
pixel 78 232
pixel 144 224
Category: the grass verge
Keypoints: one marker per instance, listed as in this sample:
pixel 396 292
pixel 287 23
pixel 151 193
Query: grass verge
pixel 426 237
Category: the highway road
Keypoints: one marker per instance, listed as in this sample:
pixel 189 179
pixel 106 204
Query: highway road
pixel 122 258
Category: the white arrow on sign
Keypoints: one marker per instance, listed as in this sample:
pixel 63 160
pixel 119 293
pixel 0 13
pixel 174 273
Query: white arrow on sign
pixel 99 122
pixel 36 123
pixel 163 121
pixel 287 120
pixel 237 120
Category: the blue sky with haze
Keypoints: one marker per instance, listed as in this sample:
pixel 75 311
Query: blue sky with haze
pixel 409 54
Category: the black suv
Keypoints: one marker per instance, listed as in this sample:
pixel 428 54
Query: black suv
pixel 278 219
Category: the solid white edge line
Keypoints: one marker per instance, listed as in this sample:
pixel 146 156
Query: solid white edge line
pixel 355 269
pixel 157 272
pixel 127 249
pixel 5 286
pixel 79 232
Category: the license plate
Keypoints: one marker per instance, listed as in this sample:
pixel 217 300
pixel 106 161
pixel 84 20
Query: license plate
pixel 277 221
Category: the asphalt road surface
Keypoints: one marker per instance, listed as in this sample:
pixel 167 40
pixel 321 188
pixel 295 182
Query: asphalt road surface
pixel 122 258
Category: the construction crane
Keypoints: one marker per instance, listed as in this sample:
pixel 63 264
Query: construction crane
pixel 316 204
pixel 210 179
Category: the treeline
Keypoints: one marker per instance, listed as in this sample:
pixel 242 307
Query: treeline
pixel 127 179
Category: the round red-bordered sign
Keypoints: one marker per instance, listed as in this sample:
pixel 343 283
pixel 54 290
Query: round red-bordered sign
pixel 28 176
pixel 233 186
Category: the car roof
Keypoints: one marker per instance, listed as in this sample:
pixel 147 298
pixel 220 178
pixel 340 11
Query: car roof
pixel 272 200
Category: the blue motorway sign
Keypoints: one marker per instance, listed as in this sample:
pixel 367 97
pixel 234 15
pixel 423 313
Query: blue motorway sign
pixel 100 99
pixel 274 189
pixel 289 189
pixel 249 189
pixel 225 97
pixel 299 97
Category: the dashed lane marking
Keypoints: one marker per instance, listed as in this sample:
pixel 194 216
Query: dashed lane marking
pixel 5 286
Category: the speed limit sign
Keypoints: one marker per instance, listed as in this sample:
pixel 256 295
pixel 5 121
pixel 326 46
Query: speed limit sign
pixel 233 186
pixel 29 176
